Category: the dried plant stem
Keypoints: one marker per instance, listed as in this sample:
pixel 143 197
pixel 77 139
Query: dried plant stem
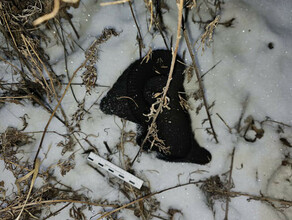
pixel 156 23
pixel 229 129
pixel 35 174
pixel 44 66
pixel 49 110
pixel 57 106
pixel 211 69
pixel 200 82
pixel 277 122
pixel 229 184
pixel 50 15
pixel 251 197
pixel 53 13
pixel 56 212
pixel 25 41
pixel 215 191
pixel 16 97
pixel 150 7
pixel 211 190
pixel 13 42
pixel 127 97
pixel 8 27
pixel 54 202
pixel 114 3
pixel 63 41
pixel 174 54
pixel 5 61
pixel 140 40
pixel 146 197
pixel 161 33
pixel 73 84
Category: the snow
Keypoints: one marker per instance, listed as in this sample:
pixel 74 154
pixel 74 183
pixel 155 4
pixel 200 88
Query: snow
pixel 251 80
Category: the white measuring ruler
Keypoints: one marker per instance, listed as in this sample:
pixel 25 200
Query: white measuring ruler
pixel 115 170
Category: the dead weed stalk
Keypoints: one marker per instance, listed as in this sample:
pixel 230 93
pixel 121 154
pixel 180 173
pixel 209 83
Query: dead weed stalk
pixel 89 77
pixel 163 99
pixel 185 33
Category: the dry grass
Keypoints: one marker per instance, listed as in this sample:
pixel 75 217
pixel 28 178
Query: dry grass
pixel 89 77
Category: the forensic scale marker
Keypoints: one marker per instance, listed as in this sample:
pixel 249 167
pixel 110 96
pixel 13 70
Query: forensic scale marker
pixel 115 170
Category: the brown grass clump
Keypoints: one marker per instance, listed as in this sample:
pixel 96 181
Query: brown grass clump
pixel 11 143
pixel 23 42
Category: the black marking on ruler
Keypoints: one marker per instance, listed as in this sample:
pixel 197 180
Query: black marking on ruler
pixel 132 182
pixel 89 158
pixel 100 164
pixel 121 176
pixel 111 170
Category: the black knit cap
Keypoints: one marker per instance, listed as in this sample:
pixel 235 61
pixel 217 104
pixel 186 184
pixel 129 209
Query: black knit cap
pixel 132 96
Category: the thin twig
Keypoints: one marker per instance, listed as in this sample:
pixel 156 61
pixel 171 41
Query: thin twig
pixel 73 84
pixel 13 42
pixel 5 61
pixel 157 24
pixel 229 129
pixel 56 212
pixel 114 3
pixel 200 83
pixel 211 69
pixel 127 97
pixel 146 197
pixel 251 197
pixel 49 74
pixel 16 97
pixel 66 61
pixel 140 40
pixel 49 16
pixel 53 13
pixel 35 174
pixel 26 43
pixel 54 202
pixel 52 115
pixel 161 33
pixel 277 122
pixel 244 106
pixel 45 106
pixel 8 27
pixel 229 184
pixel 44 66
pixel 178 37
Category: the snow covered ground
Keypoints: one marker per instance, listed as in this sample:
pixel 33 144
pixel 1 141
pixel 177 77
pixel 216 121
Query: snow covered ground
pixel 252 90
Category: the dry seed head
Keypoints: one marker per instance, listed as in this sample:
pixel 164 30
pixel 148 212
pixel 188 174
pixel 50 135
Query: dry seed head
pixel 207 37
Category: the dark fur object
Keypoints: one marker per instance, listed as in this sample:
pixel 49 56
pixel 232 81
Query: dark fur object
pixel 132 96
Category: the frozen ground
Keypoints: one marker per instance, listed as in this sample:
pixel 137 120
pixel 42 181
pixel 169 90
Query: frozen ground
pixel 252 90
